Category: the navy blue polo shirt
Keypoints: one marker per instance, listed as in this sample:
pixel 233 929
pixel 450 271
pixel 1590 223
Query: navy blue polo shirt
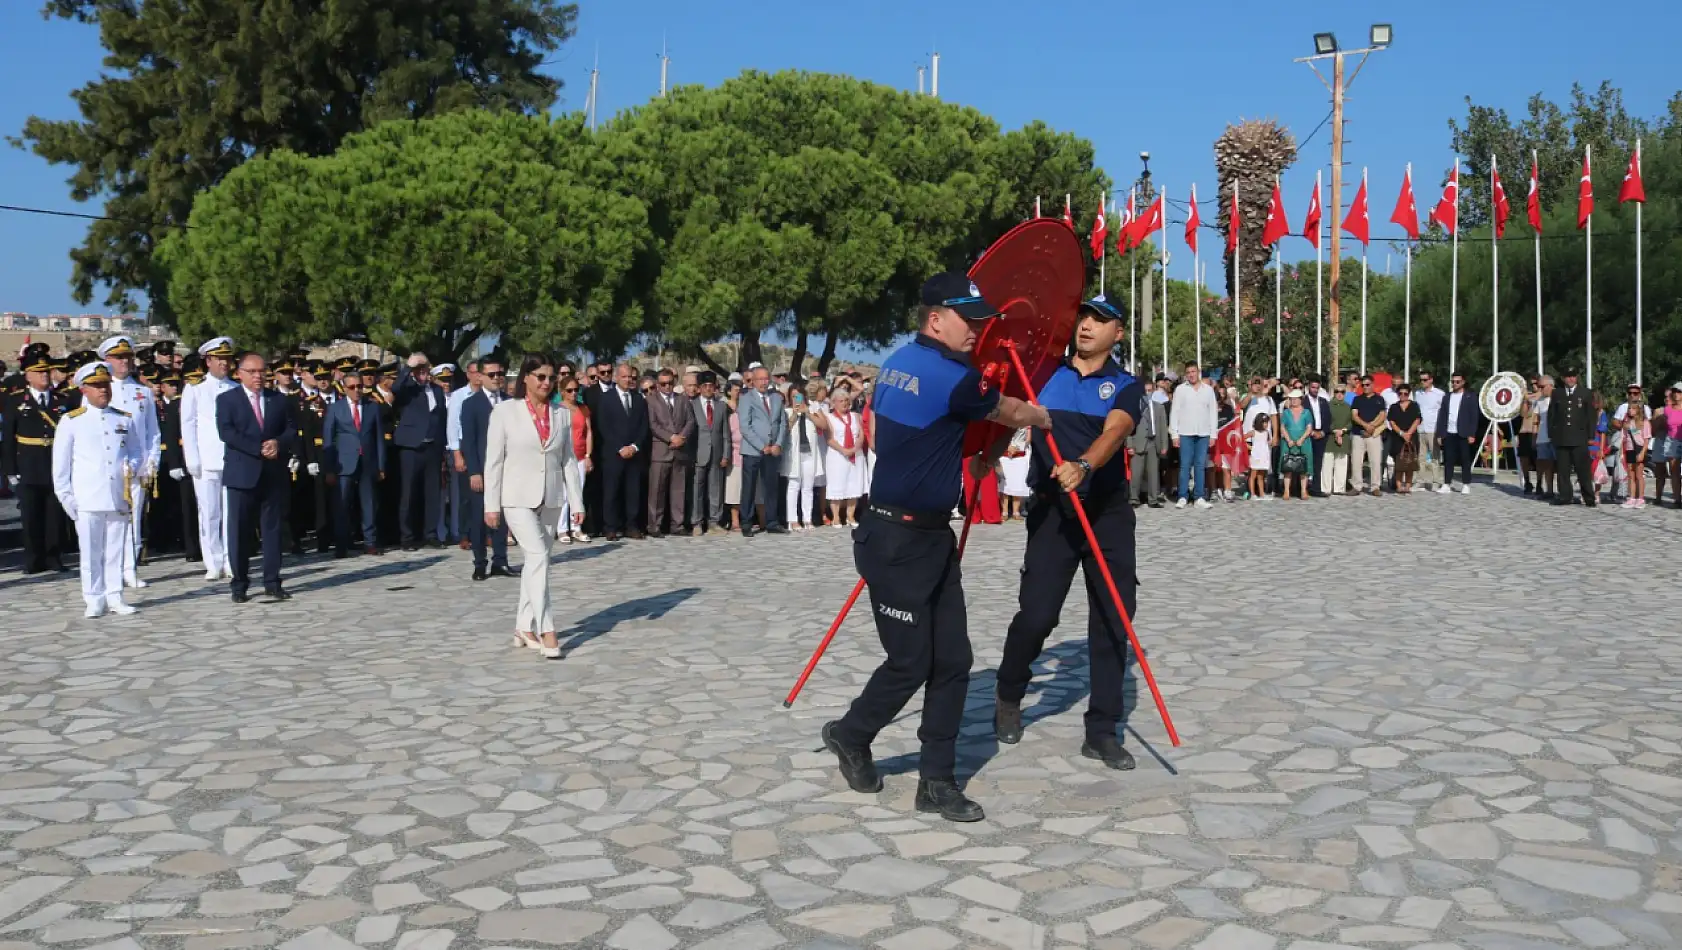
pixel 925 397
pixel 1078 406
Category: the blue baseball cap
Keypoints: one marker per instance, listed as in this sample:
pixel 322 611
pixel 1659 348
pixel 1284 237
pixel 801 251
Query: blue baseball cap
pixel 957 292
pixel 1102 309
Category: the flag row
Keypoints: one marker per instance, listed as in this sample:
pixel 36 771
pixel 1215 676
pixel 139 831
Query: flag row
pixel 1134 227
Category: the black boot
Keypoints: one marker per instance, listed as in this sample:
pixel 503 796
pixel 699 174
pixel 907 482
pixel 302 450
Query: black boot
pixel 1007 722
pixel 857 765
pixel 945 798
pixel 1108 750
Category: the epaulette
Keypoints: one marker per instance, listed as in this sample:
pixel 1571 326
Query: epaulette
pixel 75 412
pixel 117 411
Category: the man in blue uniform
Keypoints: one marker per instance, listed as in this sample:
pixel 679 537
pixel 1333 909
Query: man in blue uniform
pixel 925 397
pixel 1094 406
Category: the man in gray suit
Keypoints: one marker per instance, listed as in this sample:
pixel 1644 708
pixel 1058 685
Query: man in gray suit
pixel 1149 443
pixel 764 427
pixel 712 456
pixel 671 419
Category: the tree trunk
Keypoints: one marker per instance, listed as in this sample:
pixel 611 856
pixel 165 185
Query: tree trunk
pixel 712 364
pixel 799 358
pixel 750 350
pixel 832 334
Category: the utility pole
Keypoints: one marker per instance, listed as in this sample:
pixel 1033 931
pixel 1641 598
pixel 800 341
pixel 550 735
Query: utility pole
pixel 1325 47
pixel 934 76
pixel 590 100
pixel 665 64
pixel 922 73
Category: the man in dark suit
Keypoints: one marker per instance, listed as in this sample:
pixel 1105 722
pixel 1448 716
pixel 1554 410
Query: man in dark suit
pixel 1571 425
pixel 475 434
pixel 260 442
pixel 598 382
pixel 671 420
pixel 419 438
pixel 1321 409
pixel 352 461
pixel 1457 427
pixel 621 420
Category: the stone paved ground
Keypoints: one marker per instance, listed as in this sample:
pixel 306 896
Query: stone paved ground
pixel 1459 726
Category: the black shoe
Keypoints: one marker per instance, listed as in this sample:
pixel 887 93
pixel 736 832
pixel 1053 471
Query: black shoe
pixel 435 545
pixel 241 597
pixel 297 550
pixel 411 547
pixel 480 574
pixel 276 594
pixel 340 555
pixel 1108 750
pixel 1592 502
pixel 1007 722
pixel 857 766
pixel 1529 490
pixel 501 570
pixel 945 798
pixel 776 529
pixel 190 559
pixel 58 566
pixel 749 532
pixel 1156 504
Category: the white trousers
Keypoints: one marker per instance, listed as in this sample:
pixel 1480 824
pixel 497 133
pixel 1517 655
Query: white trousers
pixel 1368 449
pixel 103 536
pixel 136 519
pixel 213 526
pixel 800 483
pixel 534 531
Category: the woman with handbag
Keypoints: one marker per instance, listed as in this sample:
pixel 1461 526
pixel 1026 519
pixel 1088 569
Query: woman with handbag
pixel 531 476
pixel 1296 456
pixel 1403 419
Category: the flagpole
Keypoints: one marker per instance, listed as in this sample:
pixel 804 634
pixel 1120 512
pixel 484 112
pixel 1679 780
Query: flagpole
pixel 1319 295
pixel 1638 205
pixel 1237 293
pixel 1197 290
pixel 1133 290
pixel 1495 282
pixel 1278 308
pixel 1537 236
pixel 1588 296
pixel 1164 197
pixel 1407 307
pixel 1363 309
pixel 1103 258
pixel 1454 278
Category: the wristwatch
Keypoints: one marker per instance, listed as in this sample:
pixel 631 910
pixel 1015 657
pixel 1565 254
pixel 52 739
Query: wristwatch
pixel 1084 465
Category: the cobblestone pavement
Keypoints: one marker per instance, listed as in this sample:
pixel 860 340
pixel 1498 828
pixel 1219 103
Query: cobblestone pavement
pixel 1428 722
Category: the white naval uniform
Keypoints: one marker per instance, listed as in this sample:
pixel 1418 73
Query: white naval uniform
pixel 131 396
pixel 202 447
pixel 90 451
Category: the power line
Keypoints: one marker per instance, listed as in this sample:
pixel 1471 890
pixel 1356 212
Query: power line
pixel 90 217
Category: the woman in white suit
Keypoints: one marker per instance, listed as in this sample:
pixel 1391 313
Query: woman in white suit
pixel 530 473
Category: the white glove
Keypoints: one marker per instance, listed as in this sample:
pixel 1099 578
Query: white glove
pixel 315 468
pixel 292 466
pixel 13 480
pixel 177 474
pixel 70 510
pixel 195 471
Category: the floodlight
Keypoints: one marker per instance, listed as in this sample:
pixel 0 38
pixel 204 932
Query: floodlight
pixel 1325 44
pixel 1381 35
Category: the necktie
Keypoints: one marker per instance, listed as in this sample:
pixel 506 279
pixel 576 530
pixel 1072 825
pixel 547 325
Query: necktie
pixel 767 400
pixel 709 413
pixel 625 400
pixel 356 416
pixel 257 407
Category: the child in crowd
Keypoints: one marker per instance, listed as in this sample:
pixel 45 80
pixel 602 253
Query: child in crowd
pixel 1638 431
pixel 1261 454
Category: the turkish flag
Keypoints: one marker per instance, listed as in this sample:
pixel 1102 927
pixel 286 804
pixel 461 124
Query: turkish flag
pixel 1585 195
pixel 1100 231
pixel 1533 201
pixel 1129 219
pixel 1356 222
pixel 1447 211
pixel 1632 189
pixel 1311 221
pixel 1276 226
pixel 1407 212
pixel 1193 222
pixel 1068 213
pixel 1232 224
pixel 1150 223
pixel 1502 208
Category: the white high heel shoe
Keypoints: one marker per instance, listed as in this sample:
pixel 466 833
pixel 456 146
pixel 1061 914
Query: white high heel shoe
pixel 521 640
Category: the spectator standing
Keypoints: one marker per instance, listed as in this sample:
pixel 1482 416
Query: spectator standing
pixel 1526 450
pixel 1638 434
pixel 712 455
pixel 1406 422
pixel 802 462
pixel 1667 445
pixel 1367 447
pixel 1429 399
pixel 1261 454
pixel 733 478
pixel 1321 409
pixel 473 427
pixel 1013 479
pixel 1296 455
pixel 622 432
pixel 1259 402
pixel 419 438
pixel 1149 443
pixel 455 463
pixel 1457 429
pixel 844 468
pixel 1546 455
pixel 1571 421
pixel 1192 420
pixel 1342 422
pixel 764 428
pixel 671 420
pixel 583 449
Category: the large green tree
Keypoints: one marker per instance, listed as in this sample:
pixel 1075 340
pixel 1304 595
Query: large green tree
pixel 193 90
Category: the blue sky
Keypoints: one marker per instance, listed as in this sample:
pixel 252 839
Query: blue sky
pixel 1162 78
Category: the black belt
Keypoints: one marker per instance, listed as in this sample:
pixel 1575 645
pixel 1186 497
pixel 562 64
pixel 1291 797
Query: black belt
pixel 905 516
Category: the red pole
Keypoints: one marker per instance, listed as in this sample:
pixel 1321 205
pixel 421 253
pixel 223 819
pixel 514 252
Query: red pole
pixel 1103 566
pixel 847 607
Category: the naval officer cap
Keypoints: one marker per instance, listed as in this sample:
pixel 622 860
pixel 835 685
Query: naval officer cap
pixel 221 346
pixel 119 346
pixel 957 292
pixel 94 374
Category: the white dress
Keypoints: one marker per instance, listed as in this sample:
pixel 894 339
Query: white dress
pixel 845 476
pixel 1261 453
pixel 1013 476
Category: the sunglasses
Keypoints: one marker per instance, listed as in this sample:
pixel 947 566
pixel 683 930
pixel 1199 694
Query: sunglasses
pixel 570 389
pixel 496 375
pixel 542 377
pixel 352 388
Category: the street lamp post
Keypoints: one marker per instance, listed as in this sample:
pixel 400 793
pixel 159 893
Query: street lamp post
pixel 1325 47
pixel 1142 189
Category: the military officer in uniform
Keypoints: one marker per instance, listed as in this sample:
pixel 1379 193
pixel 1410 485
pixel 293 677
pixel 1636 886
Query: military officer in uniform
pixel 926 395
pixel 1571 426
pixel 96 457
pixel 31 418
pixel 174 515
pixel 1094 406
pixel 133 397
pixel 203 451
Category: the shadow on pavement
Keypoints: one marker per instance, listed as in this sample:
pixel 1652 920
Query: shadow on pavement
pixel 604 621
